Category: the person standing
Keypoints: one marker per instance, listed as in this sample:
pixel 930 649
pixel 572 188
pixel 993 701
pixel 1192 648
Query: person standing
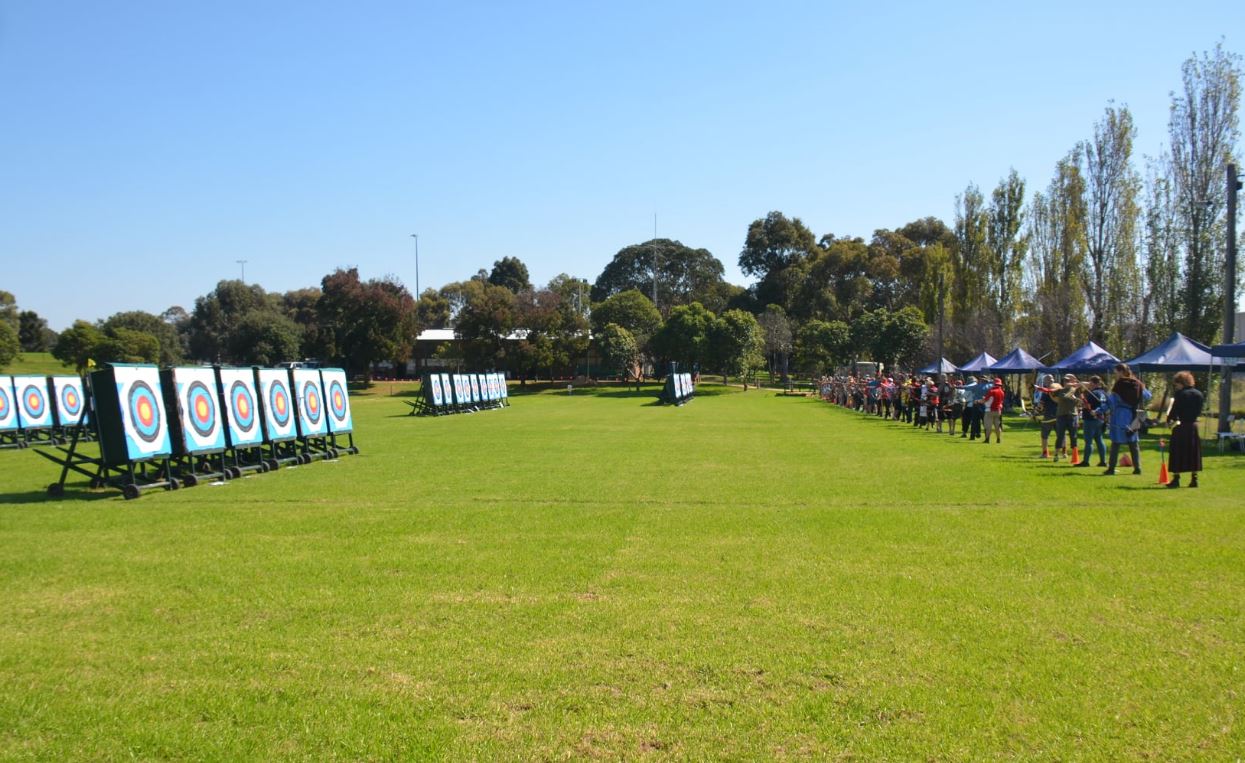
pixel 1093 409
pixel 993 402
pixel 1186 453
pixel 1067 402
pixel 1126 404
pixel 1045 409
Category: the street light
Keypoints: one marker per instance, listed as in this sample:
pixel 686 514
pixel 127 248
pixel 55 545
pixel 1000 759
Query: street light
pixel 243 264
pixel 416 237
pixel 1229 301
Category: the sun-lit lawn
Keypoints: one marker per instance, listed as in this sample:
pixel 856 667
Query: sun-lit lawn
pixel 749 576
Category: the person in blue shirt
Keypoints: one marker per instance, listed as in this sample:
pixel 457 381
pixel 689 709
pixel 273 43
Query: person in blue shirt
pixel 1126 404
pixel 1093 414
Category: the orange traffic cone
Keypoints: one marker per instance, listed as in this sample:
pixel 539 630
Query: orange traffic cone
pixel 1076 456
pixel 1163 474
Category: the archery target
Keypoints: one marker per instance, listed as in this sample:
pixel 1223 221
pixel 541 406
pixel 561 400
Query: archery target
pixel 337 400
pixel 34 409
pixel 310 402
pixel 434 388
pixel 70 400
pixel 447 392
pixel 198 409
pixel 459 396
pixel 490 381
pixel 241 407
pixel 8 409
pixel 274 390
pixel 505 389
pixel 475 387
pixel 143 420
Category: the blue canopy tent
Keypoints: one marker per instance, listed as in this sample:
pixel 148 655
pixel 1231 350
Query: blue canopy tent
pixel 945 367
pixel 1089 358
pixel 979 363
pixel 1177 353
pixel 1015 362
pixel 1229 350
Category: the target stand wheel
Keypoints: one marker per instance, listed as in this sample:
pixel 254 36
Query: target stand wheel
pixel 352 450
pixel 263 467
pixel 234 472
pixel 191 480
pixel 174 484
pixel 273 464
pixel 56 490
pixel 130 492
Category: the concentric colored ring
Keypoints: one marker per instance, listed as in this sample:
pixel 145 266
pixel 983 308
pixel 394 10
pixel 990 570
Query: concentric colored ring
pixel 71 400
pixel 337 401
pixel 243 407
pixel 34 401
pixel 202 409
pixel 5 410
pixel 144 412
pixel 279 404
pixel 311 401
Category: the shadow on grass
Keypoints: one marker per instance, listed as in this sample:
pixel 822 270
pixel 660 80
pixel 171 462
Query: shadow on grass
pixel 72 493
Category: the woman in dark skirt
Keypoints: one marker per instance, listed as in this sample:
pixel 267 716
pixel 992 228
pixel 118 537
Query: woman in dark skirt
pixel 1186 444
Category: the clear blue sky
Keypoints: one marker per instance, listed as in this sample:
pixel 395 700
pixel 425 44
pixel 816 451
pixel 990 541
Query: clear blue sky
pixel 147 146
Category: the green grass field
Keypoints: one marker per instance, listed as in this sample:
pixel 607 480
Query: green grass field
pixel 748 577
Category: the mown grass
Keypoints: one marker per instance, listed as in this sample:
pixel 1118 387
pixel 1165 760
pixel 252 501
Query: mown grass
pixel 37 363
pixel 594 576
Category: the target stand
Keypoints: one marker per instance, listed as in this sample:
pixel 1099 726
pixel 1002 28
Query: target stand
pixel 34 410
pixel 69 408
pixel 314 442
pixel 196 426
pixel 340 422
pixel 10 432
pixel 276 405
pixel 127 407
pixel 244 430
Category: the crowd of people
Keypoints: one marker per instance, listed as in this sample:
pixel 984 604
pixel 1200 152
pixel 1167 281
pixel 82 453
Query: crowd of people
pixel 1074 410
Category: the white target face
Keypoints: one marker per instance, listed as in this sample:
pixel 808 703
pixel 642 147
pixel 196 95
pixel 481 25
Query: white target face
pixel 242 420
pixel 274 393
pixel 475 387
pixel 460 389
pixel 144 421
pixel 337 400
pixel 310 394
pixel 434 389
pixel 447 393
pixel 505 390
pixel 70 399
pixel 34 407
pixel 198 409
pixel 8 405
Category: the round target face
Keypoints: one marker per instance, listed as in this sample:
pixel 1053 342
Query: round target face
pixel 71 400
pixel 5 406
pixel 34 401
pixel 279 404
pixel 311 397
pixel 337 400
pixel 201 409
pixel 243 407
pixel 144 412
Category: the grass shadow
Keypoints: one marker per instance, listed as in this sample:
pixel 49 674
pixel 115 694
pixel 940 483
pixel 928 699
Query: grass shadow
pixel 72 493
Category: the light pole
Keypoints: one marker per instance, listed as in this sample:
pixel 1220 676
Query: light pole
pixel 243 264
pixel 416 237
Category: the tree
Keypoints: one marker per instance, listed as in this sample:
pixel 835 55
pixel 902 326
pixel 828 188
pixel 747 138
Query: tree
pixel 736 344
pixel 9 344
pixel 620 351
pixel 432 310
pixel 1111 186
pixel 33 331
pixel 969 290
pixel 510 273
pixel 1160 302
pixel 632 311
pixel 365 322
pixel 217 314
pixel 485 323
pixel 774 243
pixel 1203 130
pixel 1006 247
pixel 299 306
pixel 265 339
pixel 1056 263
pixel 683 274
pixel 76 345
pixel 821 345
pixel 685 336
pixel 123 345
pixel 168 343
pixel 779 340
pixel 8 310
pixel 902 338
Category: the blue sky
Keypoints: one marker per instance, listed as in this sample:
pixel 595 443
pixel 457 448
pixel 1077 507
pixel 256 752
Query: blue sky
pixel 147 146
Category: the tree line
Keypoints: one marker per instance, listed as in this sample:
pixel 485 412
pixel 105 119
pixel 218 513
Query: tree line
pixel 1114 248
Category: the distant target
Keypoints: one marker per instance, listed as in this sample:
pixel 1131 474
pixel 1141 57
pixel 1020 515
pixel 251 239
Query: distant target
pixel 6 406
pixel 279 404
pixel 144 412
pixel 202 409
pixel 311 398
pixel 337 400
pixel 243 407
pixel 71 400
pixel 34 400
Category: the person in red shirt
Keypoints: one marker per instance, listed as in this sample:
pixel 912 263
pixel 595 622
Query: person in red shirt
pixel 993 402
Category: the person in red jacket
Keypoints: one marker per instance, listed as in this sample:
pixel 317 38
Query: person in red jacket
pixel 994 411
